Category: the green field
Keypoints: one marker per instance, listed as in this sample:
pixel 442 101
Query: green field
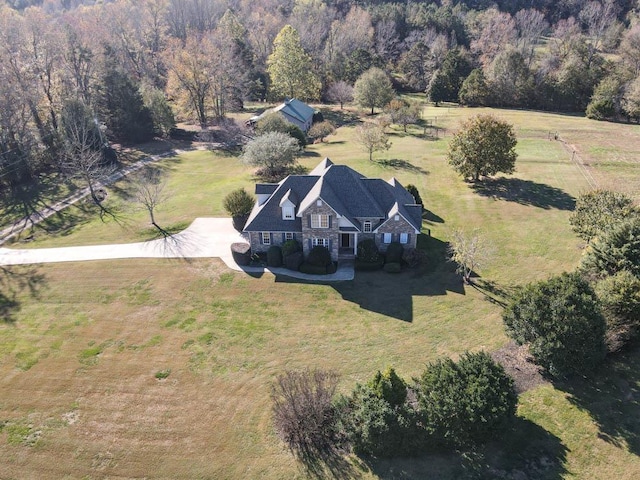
pixel 84 343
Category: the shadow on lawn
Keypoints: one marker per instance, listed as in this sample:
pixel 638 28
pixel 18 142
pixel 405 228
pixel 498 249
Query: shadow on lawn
pixel 527 451
pixel 612 398
pixel 525 192
pixel 14 280
pixel 398 164
pixel 25 200
pixel 431 217
pixel 328 463
pixel 392 294
pixel 494 292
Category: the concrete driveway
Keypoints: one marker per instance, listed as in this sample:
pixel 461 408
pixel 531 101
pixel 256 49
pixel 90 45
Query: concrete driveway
pixel 204 238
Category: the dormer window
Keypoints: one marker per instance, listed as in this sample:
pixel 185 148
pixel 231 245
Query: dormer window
pixel 366 226
pixel 288 213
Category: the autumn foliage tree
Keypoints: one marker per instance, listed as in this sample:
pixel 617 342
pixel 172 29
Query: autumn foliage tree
pixel 469 251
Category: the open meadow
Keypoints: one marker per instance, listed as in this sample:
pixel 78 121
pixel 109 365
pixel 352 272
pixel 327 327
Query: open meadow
pixel 162 368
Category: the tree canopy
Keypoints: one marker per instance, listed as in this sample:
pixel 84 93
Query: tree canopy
pixel 468 401
pixel 598 211
pixel 561 321
pixel 290 68
pixel 615 250
pixel 272 152
pixel 483 146
pixel 373 89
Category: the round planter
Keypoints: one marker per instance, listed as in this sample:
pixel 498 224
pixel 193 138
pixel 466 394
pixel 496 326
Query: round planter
pixel 241 253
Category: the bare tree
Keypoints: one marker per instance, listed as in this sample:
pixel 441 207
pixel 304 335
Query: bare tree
pixel 469 251
pixel 599 17
pixel 496 31
pixel 303 414
pixel 372 138
pixel 340 92
pixel 150 191
pixel 83 153
pixel 531 25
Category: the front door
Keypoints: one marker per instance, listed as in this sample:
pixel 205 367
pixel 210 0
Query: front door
pixel 345 240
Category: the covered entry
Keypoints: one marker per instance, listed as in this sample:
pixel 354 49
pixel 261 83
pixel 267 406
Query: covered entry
pixel 348 243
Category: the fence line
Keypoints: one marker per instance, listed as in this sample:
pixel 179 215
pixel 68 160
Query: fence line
pixel 577 160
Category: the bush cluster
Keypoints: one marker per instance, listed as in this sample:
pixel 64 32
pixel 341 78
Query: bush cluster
pixel 238 203
pixel 452 405
pixel 394 253
pixel 319 256
pixel 274 256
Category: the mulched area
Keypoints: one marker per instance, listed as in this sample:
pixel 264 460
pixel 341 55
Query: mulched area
pixel 518 363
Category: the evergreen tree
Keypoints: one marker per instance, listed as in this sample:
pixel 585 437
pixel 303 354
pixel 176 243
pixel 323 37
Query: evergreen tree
pixel 446 82
pixel 126 116
pixel 474 91
pixel 561 321
pixel 289 68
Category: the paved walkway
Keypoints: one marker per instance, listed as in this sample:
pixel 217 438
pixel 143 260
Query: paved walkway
pixel 205 238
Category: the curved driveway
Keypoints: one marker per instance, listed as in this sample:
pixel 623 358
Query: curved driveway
pixel 204 238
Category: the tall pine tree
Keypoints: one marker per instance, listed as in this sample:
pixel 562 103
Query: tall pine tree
pixel 122 106
pixel 289 68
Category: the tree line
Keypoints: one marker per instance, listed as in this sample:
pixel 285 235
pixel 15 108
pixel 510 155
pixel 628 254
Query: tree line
pixel 128 67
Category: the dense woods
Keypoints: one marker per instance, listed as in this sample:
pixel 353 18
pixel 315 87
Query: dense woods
pixel 133 65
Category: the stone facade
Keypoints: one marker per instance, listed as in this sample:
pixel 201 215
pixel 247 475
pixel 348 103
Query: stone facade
pixel 276 239
pixel 395 228
pixel 332 233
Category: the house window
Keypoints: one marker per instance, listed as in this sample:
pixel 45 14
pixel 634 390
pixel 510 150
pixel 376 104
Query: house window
pixel 366 226
pixel 319 203
pixel 404 238
pixel 397 217
pixel 322 242
pixel 287 213
pixel 288 236
pixel 386 238
pixel 266 238
pixel 320 221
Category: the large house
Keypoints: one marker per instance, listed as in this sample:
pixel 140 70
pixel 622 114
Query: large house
pixel 336 207
pixel 294 111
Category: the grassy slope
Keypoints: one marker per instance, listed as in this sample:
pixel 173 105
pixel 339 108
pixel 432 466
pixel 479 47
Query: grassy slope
pixel 78 362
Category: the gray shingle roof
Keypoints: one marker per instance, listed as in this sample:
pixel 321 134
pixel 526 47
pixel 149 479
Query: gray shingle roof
pixel 266 188
pixel 348 192
pixel 296 109
pixel 268 216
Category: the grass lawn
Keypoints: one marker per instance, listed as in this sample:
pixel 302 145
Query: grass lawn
pixel 84 343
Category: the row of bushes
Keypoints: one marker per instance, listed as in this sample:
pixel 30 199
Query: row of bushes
pixel 450 406
pixel 369 257
pixel 289 256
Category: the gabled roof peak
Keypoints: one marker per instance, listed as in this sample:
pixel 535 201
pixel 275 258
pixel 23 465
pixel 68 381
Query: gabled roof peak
pixel 322 167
